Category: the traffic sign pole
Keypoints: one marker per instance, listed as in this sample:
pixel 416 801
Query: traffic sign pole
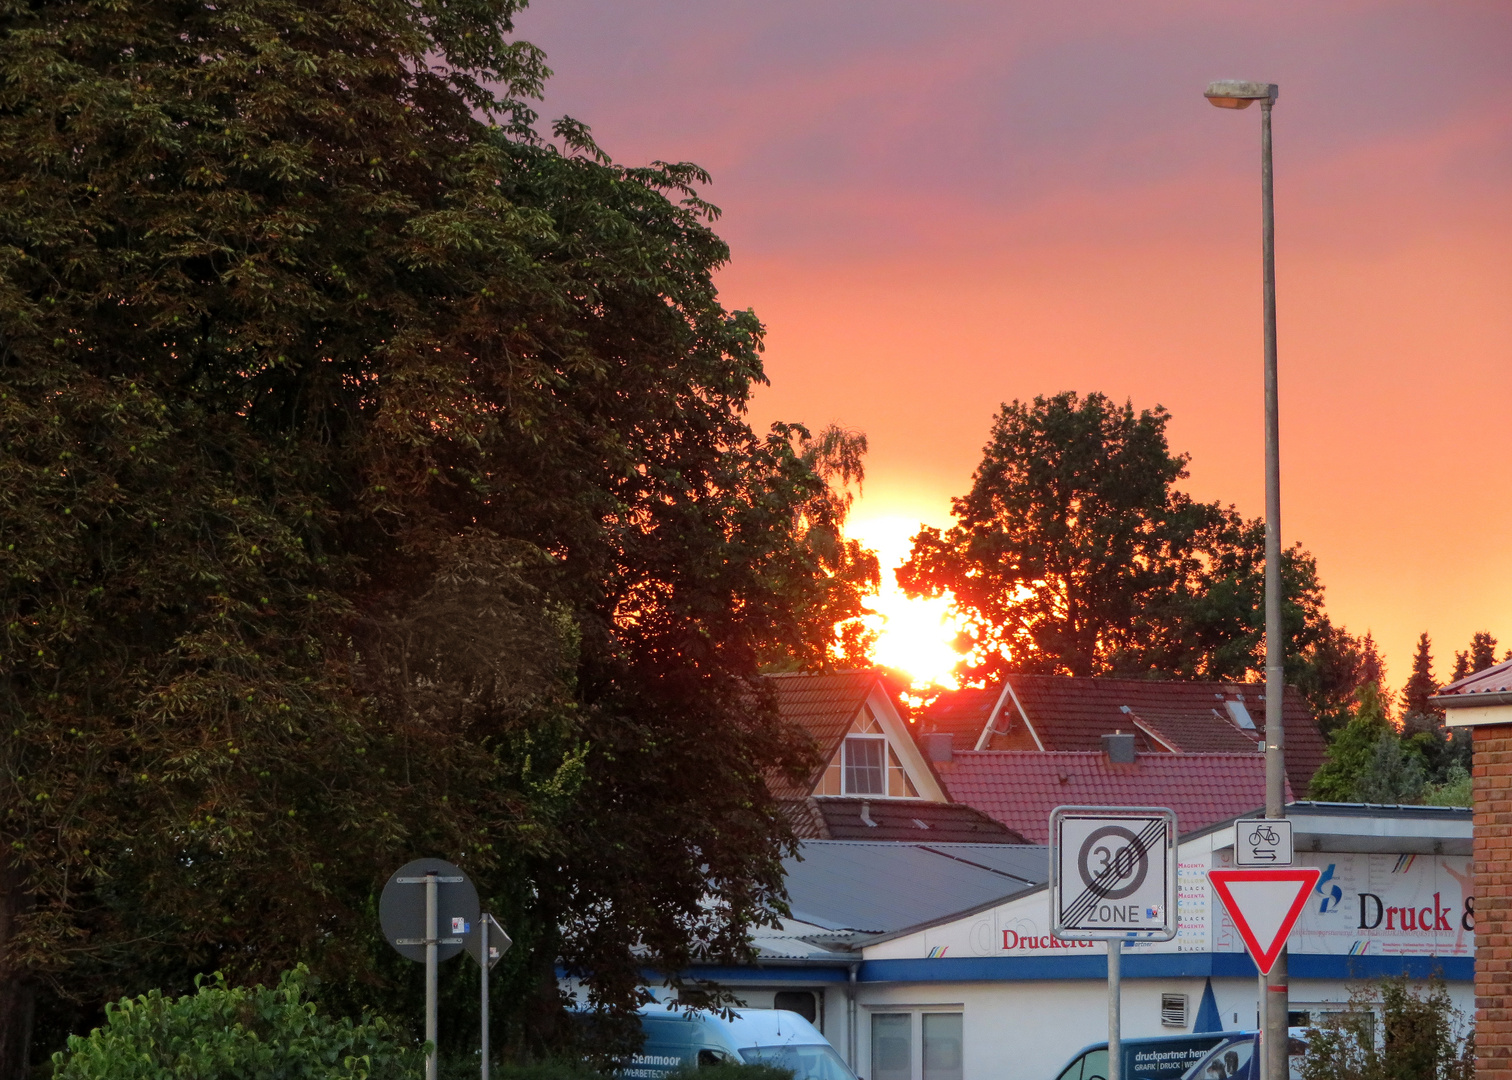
pixel 412 919
pixel 1115 1009
pixel 1113 878
pixel 483 967
pixel 432 943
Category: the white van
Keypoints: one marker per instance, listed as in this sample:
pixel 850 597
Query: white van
pixel 695 1038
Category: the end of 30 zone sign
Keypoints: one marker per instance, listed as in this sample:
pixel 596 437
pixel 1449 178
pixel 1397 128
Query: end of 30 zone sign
pixel 1113 873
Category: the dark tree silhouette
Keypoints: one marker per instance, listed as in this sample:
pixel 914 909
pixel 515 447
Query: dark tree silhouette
pixel 1074 552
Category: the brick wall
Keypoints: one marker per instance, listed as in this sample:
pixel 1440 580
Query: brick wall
pixel 1493 909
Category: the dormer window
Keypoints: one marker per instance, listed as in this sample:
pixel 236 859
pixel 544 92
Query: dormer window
pixel 865 773
pixel 867 764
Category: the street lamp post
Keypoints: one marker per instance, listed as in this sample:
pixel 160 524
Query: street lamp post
pixel 1233 94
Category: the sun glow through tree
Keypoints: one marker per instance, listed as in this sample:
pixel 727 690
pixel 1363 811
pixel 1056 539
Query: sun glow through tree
pixel 915 637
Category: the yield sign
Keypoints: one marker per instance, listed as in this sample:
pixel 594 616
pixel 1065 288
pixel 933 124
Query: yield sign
pixel 1264 905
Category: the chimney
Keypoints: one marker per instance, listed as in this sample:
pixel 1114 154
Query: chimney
pixel 940 746
pixel 1119 748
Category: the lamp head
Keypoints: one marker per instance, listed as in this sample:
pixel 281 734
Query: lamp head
pixel 1235 94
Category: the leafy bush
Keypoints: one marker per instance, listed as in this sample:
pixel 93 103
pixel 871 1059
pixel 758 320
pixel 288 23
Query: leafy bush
pixel 1456 790
pixel 225 1032
pixel 1425 1038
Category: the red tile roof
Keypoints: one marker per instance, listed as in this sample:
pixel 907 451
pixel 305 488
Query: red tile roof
pixel 1492 680
pixel 963 713
pixel 1188 717
pixel 1020 787
pixel 824 705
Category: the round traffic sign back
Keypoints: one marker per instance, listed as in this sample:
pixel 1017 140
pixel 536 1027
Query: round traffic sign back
pixel 401 908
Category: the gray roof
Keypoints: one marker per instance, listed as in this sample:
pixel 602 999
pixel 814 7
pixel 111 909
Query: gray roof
pixel 850 887
pixel 1489 686
pixel 848 893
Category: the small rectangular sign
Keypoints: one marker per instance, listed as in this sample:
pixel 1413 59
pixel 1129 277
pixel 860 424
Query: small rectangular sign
pixel 1263 842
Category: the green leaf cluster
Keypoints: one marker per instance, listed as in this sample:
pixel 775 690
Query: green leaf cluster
pixel 1369 760
pixel 235 1033
pixel 1424 1037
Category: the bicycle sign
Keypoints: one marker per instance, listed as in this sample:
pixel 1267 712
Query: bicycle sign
pixel 1263 842
pixel 1112 873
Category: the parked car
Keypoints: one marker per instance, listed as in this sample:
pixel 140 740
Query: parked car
pixel 695 1038
pixel 1164 1057
pixel 1223 1055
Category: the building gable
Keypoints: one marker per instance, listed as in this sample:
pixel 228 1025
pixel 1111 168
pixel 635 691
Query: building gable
pixel 1062 713
pixel 878 758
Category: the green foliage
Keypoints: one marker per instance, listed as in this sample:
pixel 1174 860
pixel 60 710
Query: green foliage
pixel 1353 748
pixel 1369 760
pixel 374 482
pixel 1456 789
pixel 1425 1038
pixel 1393 773
pixel 1074 553
pixel 235 1033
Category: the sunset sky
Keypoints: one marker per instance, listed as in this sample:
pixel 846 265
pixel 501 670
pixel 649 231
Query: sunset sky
pixel 936 207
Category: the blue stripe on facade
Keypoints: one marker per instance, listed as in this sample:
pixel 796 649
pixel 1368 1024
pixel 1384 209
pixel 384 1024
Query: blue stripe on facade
pixel 1157 966
pixel 1452 968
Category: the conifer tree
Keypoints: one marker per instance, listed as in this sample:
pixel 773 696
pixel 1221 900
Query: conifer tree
pixel 1420 687
pixel 1372 666
pixel 1352 749
pixel 1482 651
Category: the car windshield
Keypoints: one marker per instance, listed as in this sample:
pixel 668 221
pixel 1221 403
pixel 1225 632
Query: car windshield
pixel 815 1062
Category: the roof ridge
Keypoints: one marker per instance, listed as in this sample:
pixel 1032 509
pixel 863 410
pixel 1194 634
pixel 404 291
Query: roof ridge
pixel 1126 680
pixel 821 674
pixel 1239 754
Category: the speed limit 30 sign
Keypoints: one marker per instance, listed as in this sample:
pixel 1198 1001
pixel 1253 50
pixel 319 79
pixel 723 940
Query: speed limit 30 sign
pixel 1112 872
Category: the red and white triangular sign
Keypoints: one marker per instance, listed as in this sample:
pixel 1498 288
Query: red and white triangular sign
pixel 1264 905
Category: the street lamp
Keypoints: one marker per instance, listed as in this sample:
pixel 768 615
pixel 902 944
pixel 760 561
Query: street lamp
pixel 1234 94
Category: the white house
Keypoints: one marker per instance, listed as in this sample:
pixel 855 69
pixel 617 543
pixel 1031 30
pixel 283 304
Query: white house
pixel 939 955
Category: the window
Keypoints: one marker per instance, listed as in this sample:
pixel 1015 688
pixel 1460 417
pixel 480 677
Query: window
pixel 892 1046
pixel 810 1061
pixel 1228 1062
pixel 1093 1065
pixel 863 765
pixel 942 1046
pixel 936 1035
pixel 798 1001
pixel 1173 1010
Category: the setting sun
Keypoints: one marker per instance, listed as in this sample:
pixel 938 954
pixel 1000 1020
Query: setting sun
pixel 913 636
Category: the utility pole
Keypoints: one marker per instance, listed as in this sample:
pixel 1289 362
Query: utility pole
pixel 1233 94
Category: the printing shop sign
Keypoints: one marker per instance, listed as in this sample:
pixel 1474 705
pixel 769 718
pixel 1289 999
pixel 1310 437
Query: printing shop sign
pixel 1379 905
